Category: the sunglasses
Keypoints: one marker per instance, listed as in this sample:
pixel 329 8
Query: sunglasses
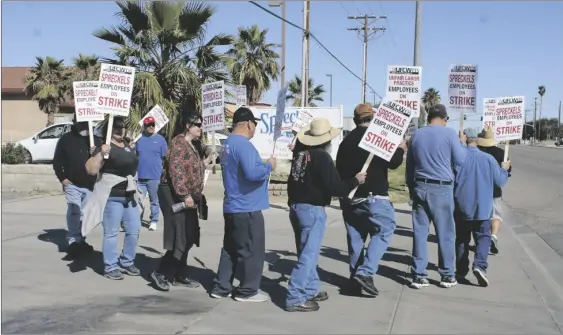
pixel 150 125
pixel 199 124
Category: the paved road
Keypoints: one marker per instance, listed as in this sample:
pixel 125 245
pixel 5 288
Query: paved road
pixel 535 191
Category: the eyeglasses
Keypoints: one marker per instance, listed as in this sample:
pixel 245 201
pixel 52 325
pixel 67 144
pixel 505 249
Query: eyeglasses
pixel 198 124
pixel 150 125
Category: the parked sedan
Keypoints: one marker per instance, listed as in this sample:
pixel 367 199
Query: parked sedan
pixel 40 148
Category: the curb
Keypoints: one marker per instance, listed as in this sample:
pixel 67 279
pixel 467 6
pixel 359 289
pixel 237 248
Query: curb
pixel 543 266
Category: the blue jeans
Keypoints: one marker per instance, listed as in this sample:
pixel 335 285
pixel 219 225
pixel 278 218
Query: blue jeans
pixel 376 219
pixel 120 209
pixel 304 283
pixel 150 186
pixel 482 233
pixel 76 198
pixel 433 202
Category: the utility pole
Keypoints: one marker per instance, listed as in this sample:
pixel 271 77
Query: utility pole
pixel 330 76
pixel 416 56
pixel 559 120
pixel 368 33
pixel 305 60
pixel 534 124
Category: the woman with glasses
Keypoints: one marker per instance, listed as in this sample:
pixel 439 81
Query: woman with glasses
pixel 182 184
pixel 115 195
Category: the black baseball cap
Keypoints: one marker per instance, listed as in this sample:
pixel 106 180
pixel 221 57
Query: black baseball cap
pixel 438 110
pixel 244 114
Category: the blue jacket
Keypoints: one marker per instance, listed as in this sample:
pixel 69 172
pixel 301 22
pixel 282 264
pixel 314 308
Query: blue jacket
pixel 474 182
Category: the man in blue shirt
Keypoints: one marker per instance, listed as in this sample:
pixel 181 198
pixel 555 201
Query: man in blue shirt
pixel 245 178
pixel 434 151
pixel 151 149
pixel 473 192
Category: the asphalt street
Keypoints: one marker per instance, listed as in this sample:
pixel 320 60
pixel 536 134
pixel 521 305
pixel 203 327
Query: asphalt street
pixel 535 192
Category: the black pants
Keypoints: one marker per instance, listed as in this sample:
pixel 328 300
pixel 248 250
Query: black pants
pixel 171 267
pixel 243 254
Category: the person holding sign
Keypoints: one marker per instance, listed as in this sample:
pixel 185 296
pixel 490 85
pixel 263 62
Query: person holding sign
pixel 486 143
pixel 72 152
pixel 475 180
pixel 370 212
pixel 151 149
pixel 312 182
pixel 245 178
pixel 181 183
pixel 434 151
pixel 115 197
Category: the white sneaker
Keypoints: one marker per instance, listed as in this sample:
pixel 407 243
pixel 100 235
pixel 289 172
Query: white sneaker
pixel 152 226
pixel 258 297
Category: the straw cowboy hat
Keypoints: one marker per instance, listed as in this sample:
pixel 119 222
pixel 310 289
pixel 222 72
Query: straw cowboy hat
pixel 318 132
pixel 486 138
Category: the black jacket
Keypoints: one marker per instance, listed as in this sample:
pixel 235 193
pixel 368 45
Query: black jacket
pixel 71 154
pixel 498 154
pixel 351 158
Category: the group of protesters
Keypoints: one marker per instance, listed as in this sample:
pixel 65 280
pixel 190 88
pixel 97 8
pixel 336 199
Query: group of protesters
pixel 454 181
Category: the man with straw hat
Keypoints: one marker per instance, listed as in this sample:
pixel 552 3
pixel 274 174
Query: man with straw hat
pixel 370 212
pixel 486 143
pixel 312 182
pixel 473 188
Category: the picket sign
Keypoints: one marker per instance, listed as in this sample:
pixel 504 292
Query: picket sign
pixel 385 132
pixel 114 93
pixel 509 120
pixel 280 113
pixel 213 111
pixel 84 100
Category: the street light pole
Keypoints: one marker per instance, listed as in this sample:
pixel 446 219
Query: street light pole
pixel 416 56
pixel 330 76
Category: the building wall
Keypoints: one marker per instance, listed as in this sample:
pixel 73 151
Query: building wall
pixel 22 118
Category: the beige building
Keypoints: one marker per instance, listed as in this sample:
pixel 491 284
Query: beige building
pixel 21 116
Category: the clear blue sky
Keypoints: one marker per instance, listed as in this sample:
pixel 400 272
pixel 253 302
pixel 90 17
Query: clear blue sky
pixel 517 45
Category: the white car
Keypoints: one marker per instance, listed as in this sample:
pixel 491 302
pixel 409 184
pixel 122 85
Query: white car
pixel 41 146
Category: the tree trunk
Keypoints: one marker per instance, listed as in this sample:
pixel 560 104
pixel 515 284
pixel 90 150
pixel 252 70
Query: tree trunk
pixel 50 118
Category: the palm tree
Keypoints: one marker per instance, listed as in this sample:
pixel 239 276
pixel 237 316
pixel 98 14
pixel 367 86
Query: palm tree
pixel 430 98
pixel 48 82
pixel 541 92
pixel 315 92
pixel 86 67
pixel 253 62
pixel 165 42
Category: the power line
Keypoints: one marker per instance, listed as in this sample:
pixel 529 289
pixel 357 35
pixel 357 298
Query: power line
pixel 317 40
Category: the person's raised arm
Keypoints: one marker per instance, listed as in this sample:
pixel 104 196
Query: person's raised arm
pixel 251 164
pixel 397 158
pixel 459 150
pixel 96 161
pixel 500 174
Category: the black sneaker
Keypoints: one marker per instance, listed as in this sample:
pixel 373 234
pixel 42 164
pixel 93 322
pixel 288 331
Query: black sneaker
pixel 307 306
pixel 419 282
pixel 216 295
pixel 114 275
pixel 321 296
pixel 494 245
pixel 160 281
pixel 448 281
pixel 481 277
pixel 367 284
pixel 186 282
pixel 131 270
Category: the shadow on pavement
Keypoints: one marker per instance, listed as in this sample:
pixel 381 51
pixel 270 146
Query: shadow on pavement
pixel 95 260
pixel 407 232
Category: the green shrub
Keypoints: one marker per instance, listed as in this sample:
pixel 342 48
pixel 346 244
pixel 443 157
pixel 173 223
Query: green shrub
pixel 13 154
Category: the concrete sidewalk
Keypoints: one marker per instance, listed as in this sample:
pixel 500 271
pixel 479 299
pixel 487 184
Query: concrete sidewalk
pixel 44 294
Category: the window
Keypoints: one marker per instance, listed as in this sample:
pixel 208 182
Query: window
pixel 53 132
